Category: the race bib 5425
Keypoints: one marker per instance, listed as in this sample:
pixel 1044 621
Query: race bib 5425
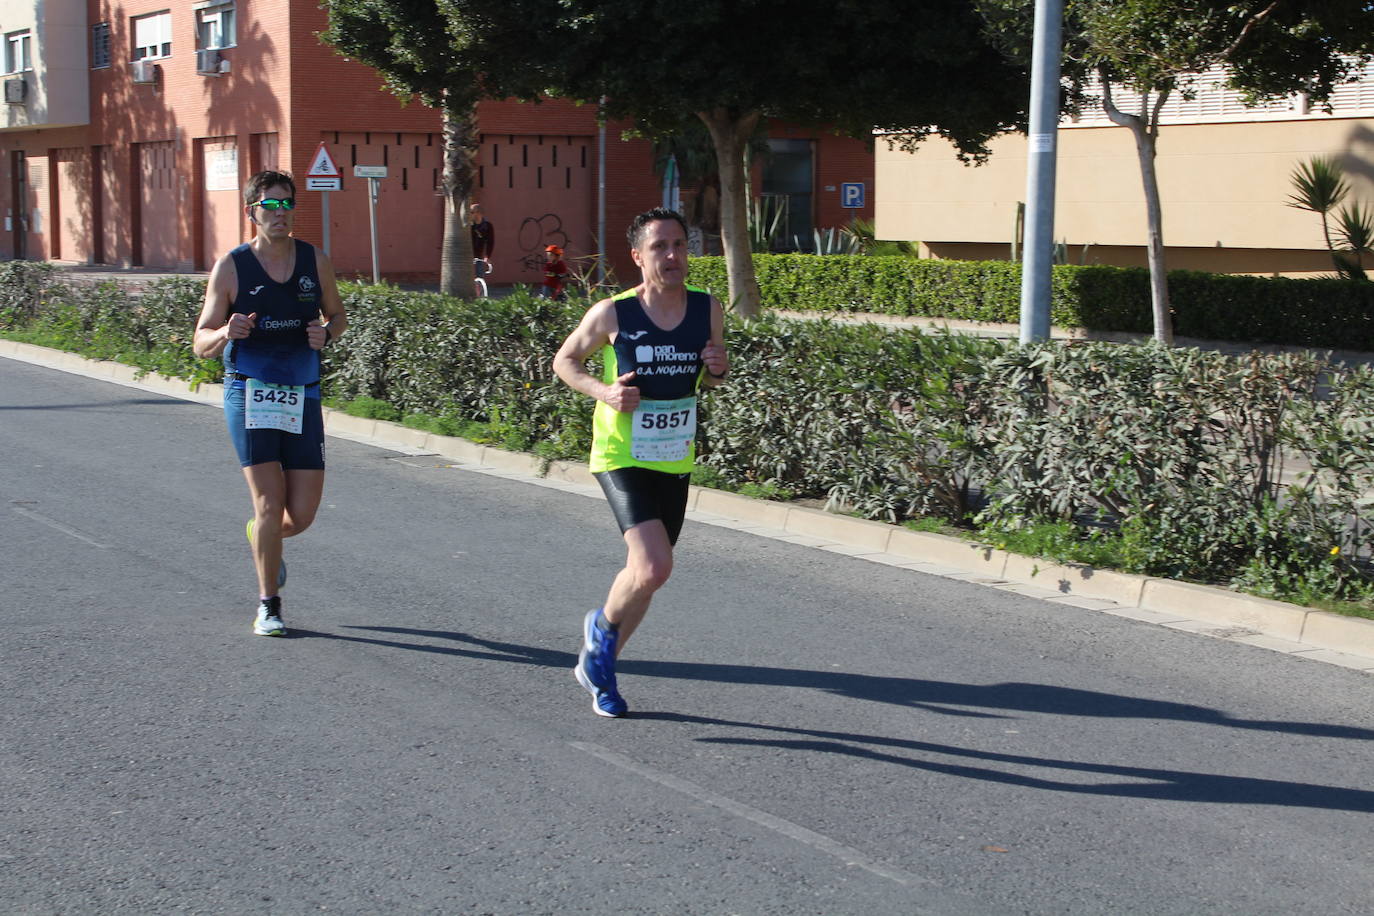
pixel 268 406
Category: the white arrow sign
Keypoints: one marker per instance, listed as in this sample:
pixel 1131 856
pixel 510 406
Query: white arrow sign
pixel 322 166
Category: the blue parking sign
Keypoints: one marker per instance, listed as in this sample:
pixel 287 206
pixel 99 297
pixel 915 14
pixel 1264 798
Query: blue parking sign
pixel 852 194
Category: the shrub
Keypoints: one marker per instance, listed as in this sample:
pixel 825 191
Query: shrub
pixel 1309 313
pixel 1168 460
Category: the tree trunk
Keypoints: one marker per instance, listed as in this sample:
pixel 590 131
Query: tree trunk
pixel 730 135
pixel 1145 130
pixel 1154 218
pixel 460 152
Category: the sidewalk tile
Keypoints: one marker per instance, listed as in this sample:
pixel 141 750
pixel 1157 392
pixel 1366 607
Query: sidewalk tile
pixel 804 540
pixel 1357 662
pixel 933 569
pixel 1273 643
pixel 1220 606
pixel 1089 604
pixel 1031 591
pixel 848 550
pixel 1340 633
pixel 1144 615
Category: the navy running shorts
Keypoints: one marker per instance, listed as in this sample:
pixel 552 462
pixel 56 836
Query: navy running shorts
pixel 639 495
pixel 302 451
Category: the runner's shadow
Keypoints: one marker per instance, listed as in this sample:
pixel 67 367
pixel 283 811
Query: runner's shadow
pixel 1122 781
pixel 941 697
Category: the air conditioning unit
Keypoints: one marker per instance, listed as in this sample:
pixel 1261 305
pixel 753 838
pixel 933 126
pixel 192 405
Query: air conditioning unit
pixel 145 72
pixel 16 90
pixel 209 62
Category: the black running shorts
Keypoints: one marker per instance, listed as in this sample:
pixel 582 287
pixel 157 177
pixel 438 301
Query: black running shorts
pixel 638 495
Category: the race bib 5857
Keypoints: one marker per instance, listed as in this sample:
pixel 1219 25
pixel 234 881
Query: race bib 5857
pixel 663 430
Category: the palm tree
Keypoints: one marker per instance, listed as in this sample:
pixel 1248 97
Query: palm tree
pixel 1320 187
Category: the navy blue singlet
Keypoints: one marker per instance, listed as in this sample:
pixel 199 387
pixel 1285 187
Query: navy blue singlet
pixel 277 350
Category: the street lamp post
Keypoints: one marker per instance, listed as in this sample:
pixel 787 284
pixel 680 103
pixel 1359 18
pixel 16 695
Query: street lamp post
pixel 1037 253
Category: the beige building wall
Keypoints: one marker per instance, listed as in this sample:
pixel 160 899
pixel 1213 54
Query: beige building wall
pixel 1223 186
pixel 58 88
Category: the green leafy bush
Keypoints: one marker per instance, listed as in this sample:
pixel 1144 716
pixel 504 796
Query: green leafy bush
pixel 23 290
pixel 1157 460
pixel 1310 313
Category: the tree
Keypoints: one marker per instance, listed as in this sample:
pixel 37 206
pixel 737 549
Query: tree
pixel 690 150
pixel 1319 186
pixel 850 65
pixel 1267 48
pixel 411 44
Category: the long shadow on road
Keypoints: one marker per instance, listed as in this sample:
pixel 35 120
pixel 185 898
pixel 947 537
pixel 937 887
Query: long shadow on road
pixel 936 696
pixel 1131 782
pixel 941 697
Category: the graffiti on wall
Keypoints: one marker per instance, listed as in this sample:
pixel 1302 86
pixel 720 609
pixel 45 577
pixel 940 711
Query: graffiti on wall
pixel 535 234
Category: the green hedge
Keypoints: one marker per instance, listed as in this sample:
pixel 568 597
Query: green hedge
pixel 1170 457
pixel 1312 313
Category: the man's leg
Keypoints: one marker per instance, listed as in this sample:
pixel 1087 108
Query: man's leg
pixel 648 564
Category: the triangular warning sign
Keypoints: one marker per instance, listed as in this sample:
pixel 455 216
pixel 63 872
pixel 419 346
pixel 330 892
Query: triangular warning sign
pixel 322 166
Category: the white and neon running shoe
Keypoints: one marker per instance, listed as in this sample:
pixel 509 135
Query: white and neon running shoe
pixel 269 622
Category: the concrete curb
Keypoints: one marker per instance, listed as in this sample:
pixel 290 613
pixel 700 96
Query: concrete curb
pixel 1156 600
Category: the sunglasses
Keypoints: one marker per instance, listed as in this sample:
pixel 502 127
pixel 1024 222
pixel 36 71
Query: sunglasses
pixel 272 203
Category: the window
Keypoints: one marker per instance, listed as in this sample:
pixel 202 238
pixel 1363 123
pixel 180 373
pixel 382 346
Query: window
pixel 1213 101
pixel 17 58
pixel 787 177
pixel 100 45
pixel 215 25
pixel 153 35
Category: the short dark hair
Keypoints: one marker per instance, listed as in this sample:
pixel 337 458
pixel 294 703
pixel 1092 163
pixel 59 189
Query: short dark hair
pixel 636 231
pixel 252 192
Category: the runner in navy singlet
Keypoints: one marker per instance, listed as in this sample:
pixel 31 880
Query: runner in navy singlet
pixel 270 306
pixel 661 342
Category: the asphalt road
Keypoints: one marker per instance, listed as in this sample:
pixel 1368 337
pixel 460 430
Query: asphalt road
pixel 812 734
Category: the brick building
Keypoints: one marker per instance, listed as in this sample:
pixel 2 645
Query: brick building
pixel 128 129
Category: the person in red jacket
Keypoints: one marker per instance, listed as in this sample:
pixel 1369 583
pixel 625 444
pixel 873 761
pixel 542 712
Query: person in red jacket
pixel 555 272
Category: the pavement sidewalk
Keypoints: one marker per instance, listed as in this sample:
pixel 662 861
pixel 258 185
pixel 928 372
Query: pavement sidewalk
pixel 1204 610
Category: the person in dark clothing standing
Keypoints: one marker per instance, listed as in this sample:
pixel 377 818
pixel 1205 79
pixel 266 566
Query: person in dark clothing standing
pixel 483 238
pixel 271 306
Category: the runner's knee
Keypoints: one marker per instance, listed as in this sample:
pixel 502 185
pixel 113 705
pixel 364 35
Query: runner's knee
pixel 299 518
pixel 651 573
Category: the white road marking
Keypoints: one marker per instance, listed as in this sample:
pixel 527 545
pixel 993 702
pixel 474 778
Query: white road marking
pixel 54 523
pixel 846 854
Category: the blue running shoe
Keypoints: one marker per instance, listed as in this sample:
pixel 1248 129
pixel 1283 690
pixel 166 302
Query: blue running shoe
pixel 595 668
pixel 281 571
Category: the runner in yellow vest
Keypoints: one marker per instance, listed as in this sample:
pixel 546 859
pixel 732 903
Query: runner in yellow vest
pixel 661 342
